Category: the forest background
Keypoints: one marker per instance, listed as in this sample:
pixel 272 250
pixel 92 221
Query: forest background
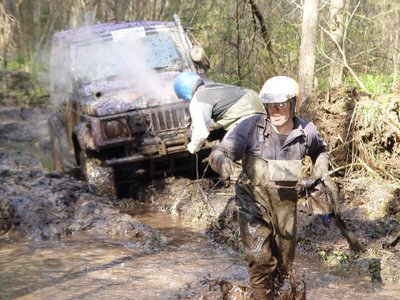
pixel 247 41
pixel 324 44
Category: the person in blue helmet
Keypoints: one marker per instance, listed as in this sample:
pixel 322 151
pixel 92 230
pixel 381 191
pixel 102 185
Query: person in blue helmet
pixel 214 106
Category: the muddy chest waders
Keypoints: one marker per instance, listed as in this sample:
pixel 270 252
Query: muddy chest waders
pixel 267 219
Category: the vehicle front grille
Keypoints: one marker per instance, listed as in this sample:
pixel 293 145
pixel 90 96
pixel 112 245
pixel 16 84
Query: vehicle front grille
pixel 169 118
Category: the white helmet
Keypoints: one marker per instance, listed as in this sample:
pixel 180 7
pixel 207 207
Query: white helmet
pixel 279 89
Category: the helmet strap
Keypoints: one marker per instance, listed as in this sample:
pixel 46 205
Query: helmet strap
pixel 293 103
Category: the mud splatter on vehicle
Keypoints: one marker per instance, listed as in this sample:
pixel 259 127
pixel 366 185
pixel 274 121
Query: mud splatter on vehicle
pixel 116 117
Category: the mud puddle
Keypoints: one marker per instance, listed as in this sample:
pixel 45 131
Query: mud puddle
pixel 189 266
pixel 89 268
pixel 322 283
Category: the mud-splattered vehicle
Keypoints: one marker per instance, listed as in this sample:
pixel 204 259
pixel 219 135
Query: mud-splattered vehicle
pixel 116 117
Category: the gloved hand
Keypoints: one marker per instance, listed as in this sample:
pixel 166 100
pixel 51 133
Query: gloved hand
pixel 305 184
pixel 191 148
pixel 226 168
pixel 221 164
pixel 315 192
pixel 321 166
pixel 321 176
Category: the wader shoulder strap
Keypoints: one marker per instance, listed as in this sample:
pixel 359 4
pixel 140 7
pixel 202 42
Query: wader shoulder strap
pixel 304 143
pixel 261 137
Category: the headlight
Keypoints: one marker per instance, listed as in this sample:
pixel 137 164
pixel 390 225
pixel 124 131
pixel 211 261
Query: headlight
pixel 115 128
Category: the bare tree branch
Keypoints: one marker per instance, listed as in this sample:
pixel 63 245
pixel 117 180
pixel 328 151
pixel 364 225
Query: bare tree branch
pixel 7 24
pixel 264 33
pixel 342 49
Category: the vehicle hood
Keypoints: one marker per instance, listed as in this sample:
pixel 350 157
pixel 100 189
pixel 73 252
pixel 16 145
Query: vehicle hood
pixel 116 96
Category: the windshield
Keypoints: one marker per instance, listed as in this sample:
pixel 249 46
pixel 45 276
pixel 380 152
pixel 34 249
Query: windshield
pixel 127 52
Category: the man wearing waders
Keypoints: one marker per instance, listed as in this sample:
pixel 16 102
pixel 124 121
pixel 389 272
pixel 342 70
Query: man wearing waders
pixel 214 106
pixel 272 147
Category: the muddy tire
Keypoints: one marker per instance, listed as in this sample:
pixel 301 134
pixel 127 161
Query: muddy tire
pixel 95 174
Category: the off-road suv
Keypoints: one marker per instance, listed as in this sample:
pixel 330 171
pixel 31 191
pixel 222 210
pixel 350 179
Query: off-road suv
pixel 116 117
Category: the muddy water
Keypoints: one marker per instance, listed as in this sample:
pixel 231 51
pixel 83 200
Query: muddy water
pixel 111 269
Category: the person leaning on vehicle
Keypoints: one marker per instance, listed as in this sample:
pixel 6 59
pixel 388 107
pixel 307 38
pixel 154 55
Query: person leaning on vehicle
pixel 214 106
pixel 272 147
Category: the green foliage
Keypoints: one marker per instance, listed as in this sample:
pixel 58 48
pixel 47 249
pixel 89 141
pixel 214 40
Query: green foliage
pixel 199 213
pixel 24 88
pixel 231 35
pixel 390 3
pixel 322 253
pixel 40 96
pixel 233 240
pixel 15 65
pixel 335 257
pixel 322 85
pixel 375 83
pixel 369 114
pixel 286 44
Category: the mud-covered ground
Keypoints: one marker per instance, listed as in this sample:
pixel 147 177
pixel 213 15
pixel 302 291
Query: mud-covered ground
pixel 40 204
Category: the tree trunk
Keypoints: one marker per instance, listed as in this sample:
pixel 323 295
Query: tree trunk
pixel 238 44
pixel 307 48
pixel 336 19
pixel 25 16
pixel 4 81
pixel 265 34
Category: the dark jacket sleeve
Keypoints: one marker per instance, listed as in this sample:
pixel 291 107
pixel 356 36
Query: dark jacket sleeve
pixel 242 137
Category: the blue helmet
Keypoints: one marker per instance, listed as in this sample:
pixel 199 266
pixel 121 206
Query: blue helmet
pixel 186 83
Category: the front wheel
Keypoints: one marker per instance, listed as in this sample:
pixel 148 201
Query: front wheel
pixel 95 174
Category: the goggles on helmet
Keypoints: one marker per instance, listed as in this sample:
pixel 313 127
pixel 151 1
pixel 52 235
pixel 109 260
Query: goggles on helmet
pixel 280 105
pixel 267 98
